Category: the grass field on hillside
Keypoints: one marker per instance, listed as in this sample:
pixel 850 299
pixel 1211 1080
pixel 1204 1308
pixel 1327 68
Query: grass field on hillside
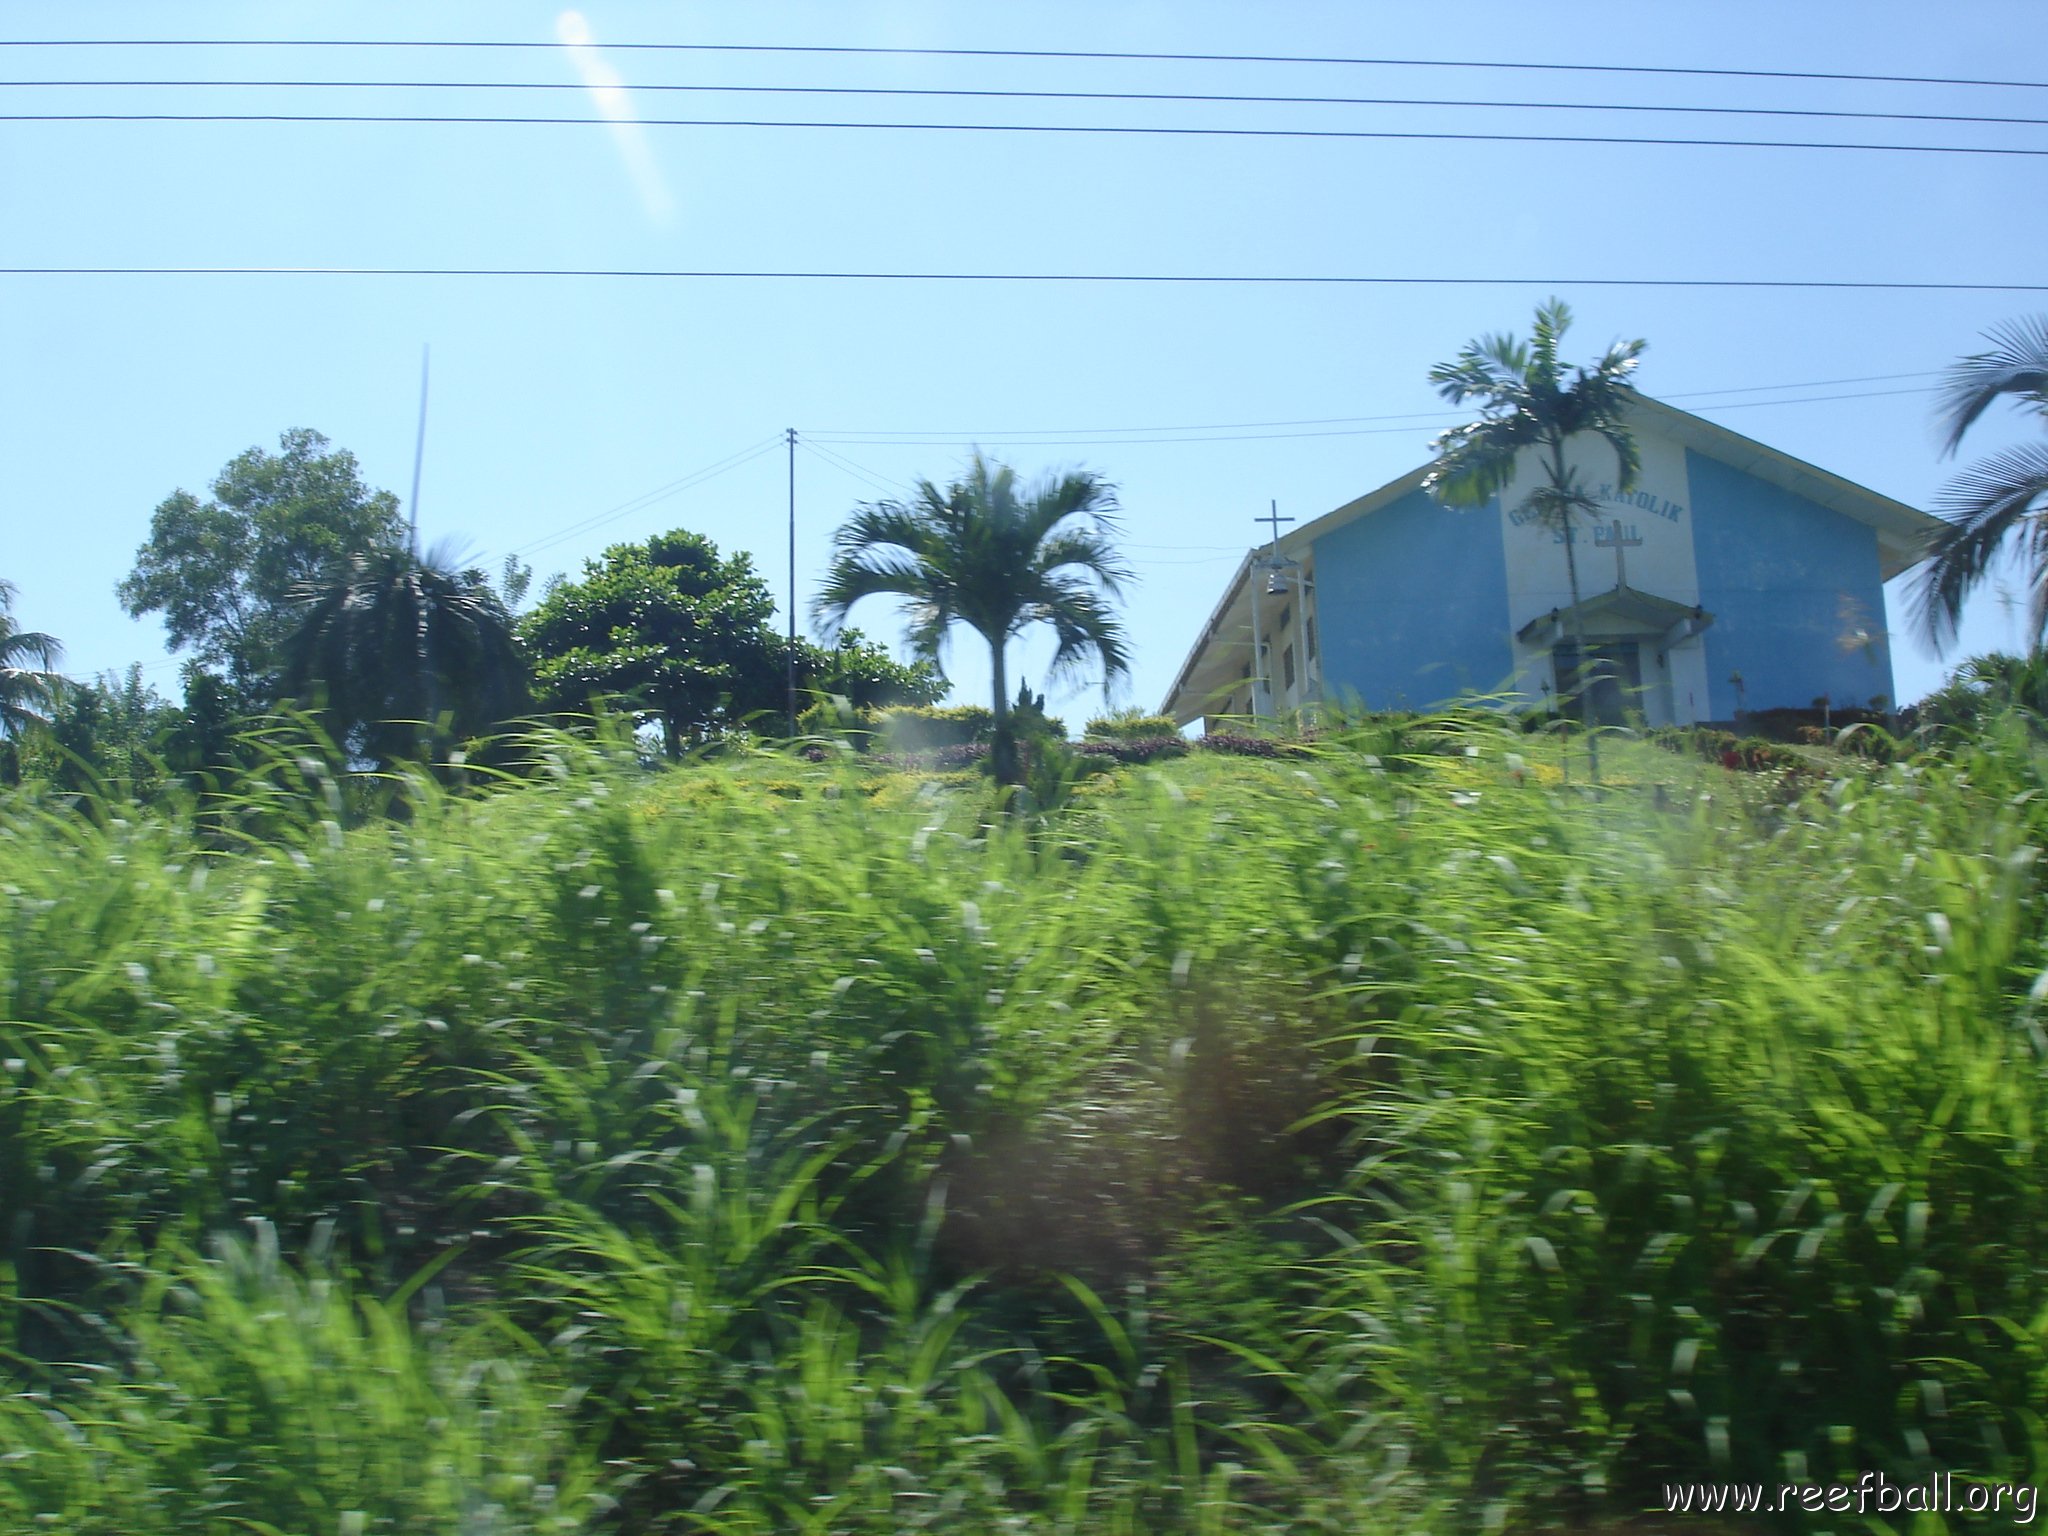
pixel 1391 1138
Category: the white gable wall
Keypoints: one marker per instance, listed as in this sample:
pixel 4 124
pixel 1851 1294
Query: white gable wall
pixel 1656 554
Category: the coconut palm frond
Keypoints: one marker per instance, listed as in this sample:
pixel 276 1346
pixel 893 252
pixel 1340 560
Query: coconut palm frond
pixel 996 554
pixel 1088 634
pixel 29 682
pixel 399 653
pixel 1475 462
pixel 1086 550
pixel 2016 364
pixel 1991 502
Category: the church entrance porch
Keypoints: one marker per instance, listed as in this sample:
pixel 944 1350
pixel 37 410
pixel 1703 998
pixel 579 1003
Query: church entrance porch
pixel 1607 685
pixel 1610 655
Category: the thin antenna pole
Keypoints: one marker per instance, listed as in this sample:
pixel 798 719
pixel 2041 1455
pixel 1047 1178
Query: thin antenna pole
pixel 419 454
pixel 791 434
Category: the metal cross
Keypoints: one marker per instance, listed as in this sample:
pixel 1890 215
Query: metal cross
pixel 1273 517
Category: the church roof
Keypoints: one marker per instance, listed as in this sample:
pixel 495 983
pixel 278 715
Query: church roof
pixel 1902 531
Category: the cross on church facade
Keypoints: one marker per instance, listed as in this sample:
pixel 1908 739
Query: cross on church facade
pixel 1275 519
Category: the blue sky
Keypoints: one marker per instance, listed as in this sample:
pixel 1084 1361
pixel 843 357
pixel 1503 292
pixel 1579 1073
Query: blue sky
pixel 558 401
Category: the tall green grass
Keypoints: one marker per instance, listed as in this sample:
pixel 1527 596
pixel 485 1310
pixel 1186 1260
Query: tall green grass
pixel 1379 1139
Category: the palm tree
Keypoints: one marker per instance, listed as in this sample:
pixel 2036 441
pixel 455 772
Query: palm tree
pixel 29 682
pixel 1530 400
pixel 997 557
pixel 2001 499
pixel 401 655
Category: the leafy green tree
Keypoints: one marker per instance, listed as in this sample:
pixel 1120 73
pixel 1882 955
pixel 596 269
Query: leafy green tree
pixel 29 683
pixel 1531 401
pixel 104 737
pixel 682 635
pixel 401 657
pixel 2001 500
pixel 222 572
pixel 852 668
pixel 1984 686
pixel 999 558
pixel 669 626
pixel 203 743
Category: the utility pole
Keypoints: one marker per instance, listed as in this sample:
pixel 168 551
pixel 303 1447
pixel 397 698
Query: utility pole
pixel 1261 681
pixel 790 434
pixel 419 453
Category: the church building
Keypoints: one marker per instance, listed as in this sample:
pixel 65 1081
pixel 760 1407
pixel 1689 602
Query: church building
pixel 1731 577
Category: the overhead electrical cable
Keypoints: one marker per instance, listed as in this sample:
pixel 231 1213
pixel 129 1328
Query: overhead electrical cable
pixel 646 499
pixel 1870 394
pixel 883 435
pixel 1435 421
pixel 1193 279
pixel 361 119
pixel 1750 389
pixel 845 465
pixel 1132 56
pixel 1197 97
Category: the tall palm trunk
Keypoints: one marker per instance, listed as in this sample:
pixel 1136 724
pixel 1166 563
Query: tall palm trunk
pixel 1003 748
pixel 1571 570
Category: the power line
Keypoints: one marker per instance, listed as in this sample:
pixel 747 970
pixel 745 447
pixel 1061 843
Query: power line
pixel 853 434
pixel 1873 394
pixel 1165 278
pixel 1868 378
pixel 1018 440
pixel 846 466
pixel 359 119
pixel 1430 423
pixel 647 499
pixel 509 45
pixel 1200 97
pixel 883 435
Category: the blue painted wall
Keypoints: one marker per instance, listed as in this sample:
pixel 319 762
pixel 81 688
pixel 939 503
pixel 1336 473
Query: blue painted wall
pixel 1412 605
pixel 1774 569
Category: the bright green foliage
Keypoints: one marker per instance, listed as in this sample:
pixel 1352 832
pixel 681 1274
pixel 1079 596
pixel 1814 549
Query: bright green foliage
pixel 262 1400
pixel 29 683
pixel 400 657
pixel 681 634
pixel 106 739
pixel 998 557
pixel 1998 502
pixel 1983 688
pixel 865 675
pixel 1131 724
pixel 222 571
pixel 1344 1142
pixel 913 729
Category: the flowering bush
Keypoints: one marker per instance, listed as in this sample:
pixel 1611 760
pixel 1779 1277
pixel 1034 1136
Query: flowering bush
pixel 1142 749
pixel 1236 744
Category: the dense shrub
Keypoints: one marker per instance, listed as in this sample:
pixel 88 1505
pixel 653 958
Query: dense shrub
pixel 1137 749
pixel 1253 1146
pixel 1788 724
pixel 1242 744
pixel 839 720
pixel 1129 725
pixel 918 729
pixel 1748 754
